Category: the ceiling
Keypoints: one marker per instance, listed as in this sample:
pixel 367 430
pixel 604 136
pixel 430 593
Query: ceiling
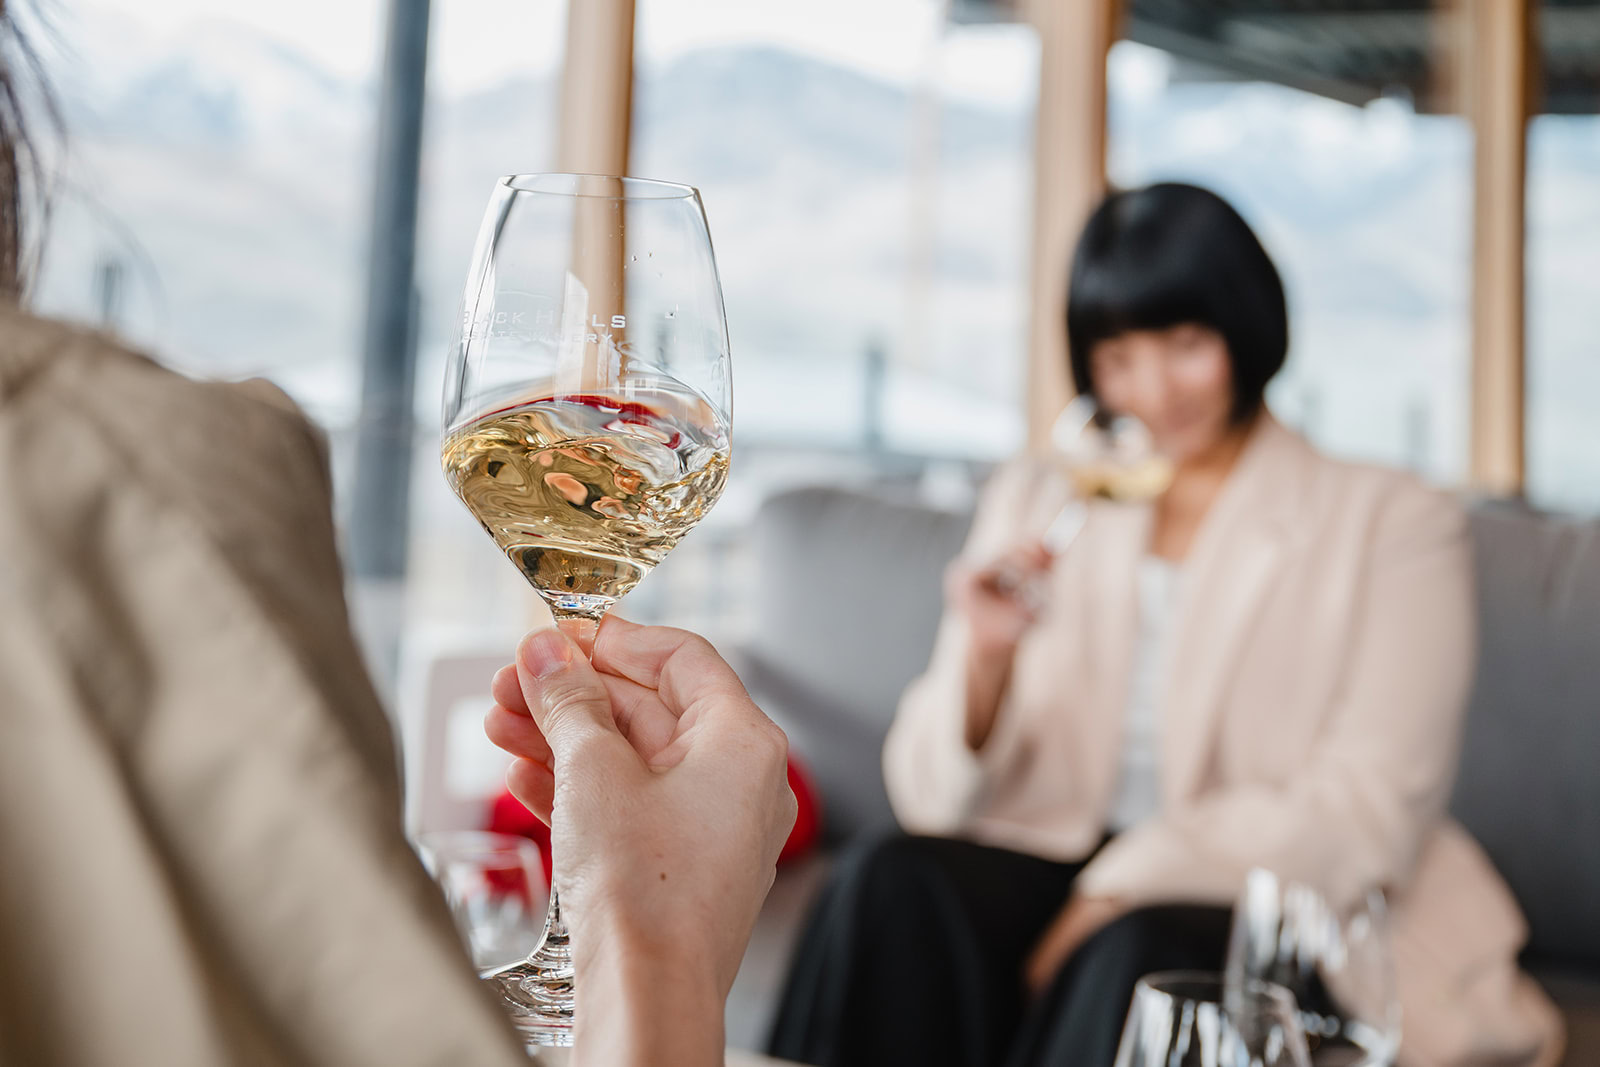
pixel 1350 50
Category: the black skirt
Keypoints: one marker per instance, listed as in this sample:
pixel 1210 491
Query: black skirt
pixel 914 955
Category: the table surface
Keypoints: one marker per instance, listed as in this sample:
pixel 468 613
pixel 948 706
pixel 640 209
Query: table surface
pixel 736 1058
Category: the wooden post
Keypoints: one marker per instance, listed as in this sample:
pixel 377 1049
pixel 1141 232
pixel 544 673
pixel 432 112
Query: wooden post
pixel 596 88
pixel 595 124
pixel 1069 180
pixel 594 128
pixel 1497 79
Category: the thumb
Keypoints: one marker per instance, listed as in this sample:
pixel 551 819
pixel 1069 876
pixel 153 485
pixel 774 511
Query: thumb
pixel 563 690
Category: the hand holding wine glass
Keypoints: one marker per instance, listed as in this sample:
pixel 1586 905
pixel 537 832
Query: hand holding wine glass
pixel 997 619
pixel 1102 457
pixel 671 808
pixel 586 422
pixel 987 596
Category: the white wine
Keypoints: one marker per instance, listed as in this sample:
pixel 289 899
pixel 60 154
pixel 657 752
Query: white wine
pixel 1122 480
pixel 1126 482
pixel 587 493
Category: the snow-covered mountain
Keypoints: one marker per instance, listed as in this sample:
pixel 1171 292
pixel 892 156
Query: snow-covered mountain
pixel 218 84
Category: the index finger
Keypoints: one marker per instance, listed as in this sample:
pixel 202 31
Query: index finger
pixel 681 666
pixel 507 690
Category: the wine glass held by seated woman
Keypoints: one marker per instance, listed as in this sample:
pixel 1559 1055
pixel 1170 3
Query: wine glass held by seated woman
pixel 1264 666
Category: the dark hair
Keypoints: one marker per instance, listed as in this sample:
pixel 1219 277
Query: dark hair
pixel 1169 254
pixel 21 168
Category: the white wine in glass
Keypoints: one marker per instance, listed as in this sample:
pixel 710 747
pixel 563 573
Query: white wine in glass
pixel 586 422
pixel 1108 456
pixel 585 494
pixel 1103 457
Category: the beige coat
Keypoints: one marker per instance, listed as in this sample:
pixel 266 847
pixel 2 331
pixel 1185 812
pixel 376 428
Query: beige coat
pixel 201 859
pixel 1310 724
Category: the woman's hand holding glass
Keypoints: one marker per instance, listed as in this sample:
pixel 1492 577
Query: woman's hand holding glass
pixel 992 598
pixel 1100 456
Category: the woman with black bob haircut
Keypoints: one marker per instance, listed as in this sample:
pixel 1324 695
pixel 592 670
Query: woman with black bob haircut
pixel 1172 254
pixel 1264 666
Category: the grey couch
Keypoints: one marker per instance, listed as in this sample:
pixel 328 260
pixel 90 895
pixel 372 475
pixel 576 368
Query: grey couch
pixel 849 597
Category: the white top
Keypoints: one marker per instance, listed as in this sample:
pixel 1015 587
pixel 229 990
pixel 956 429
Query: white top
pixel 1138 794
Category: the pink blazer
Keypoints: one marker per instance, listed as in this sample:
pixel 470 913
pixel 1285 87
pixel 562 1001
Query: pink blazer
pixel 1311 718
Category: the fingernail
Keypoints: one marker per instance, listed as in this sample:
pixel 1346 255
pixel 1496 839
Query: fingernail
pixel 545 652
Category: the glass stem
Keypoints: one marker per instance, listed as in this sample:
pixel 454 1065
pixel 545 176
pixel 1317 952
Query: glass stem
pixel 553 956
pixel 555 947
pixel 581 628
pixel 539 992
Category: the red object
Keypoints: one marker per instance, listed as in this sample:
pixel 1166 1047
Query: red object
pixel 508 816
pixel 629 412
pixel 808 817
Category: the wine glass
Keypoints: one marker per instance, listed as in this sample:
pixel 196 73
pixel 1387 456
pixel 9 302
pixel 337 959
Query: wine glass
pixel 1338 963
pixel 1196 1019
pixel 1104 456
pixel 586 421
pixel 494 885
pixel 1107 455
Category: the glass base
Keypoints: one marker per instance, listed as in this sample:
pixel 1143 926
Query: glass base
pixel 537 994
pixel 538 1002
pixel 590 606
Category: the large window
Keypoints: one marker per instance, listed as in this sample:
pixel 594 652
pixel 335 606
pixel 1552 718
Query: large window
pixel 214 204
pixel 1367 212
pixel 493 74
pixel 211 202
pixel 867 173
pixel 214 201
pixel 1563 371
pixel 866 169
pixel 1564 312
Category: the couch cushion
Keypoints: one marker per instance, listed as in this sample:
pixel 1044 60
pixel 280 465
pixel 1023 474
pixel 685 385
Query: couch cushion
pixel 1529 787
pixel 850 592
pixel 848 597
pixel 839 748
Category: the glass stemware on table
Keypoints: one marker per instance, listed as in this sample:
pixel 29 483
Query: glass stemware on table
pixel 1337 962
pixel 494 885
pixel 587 403
pixel 1197 1019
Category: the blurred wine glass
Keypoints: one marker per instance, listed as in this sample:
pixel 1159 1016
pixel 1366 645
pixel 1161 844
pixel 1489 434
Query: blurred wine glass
pixel 1197 1019
pixel 1108 456
pixel 494 885
pixel 1338 963
pixel 1103 456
